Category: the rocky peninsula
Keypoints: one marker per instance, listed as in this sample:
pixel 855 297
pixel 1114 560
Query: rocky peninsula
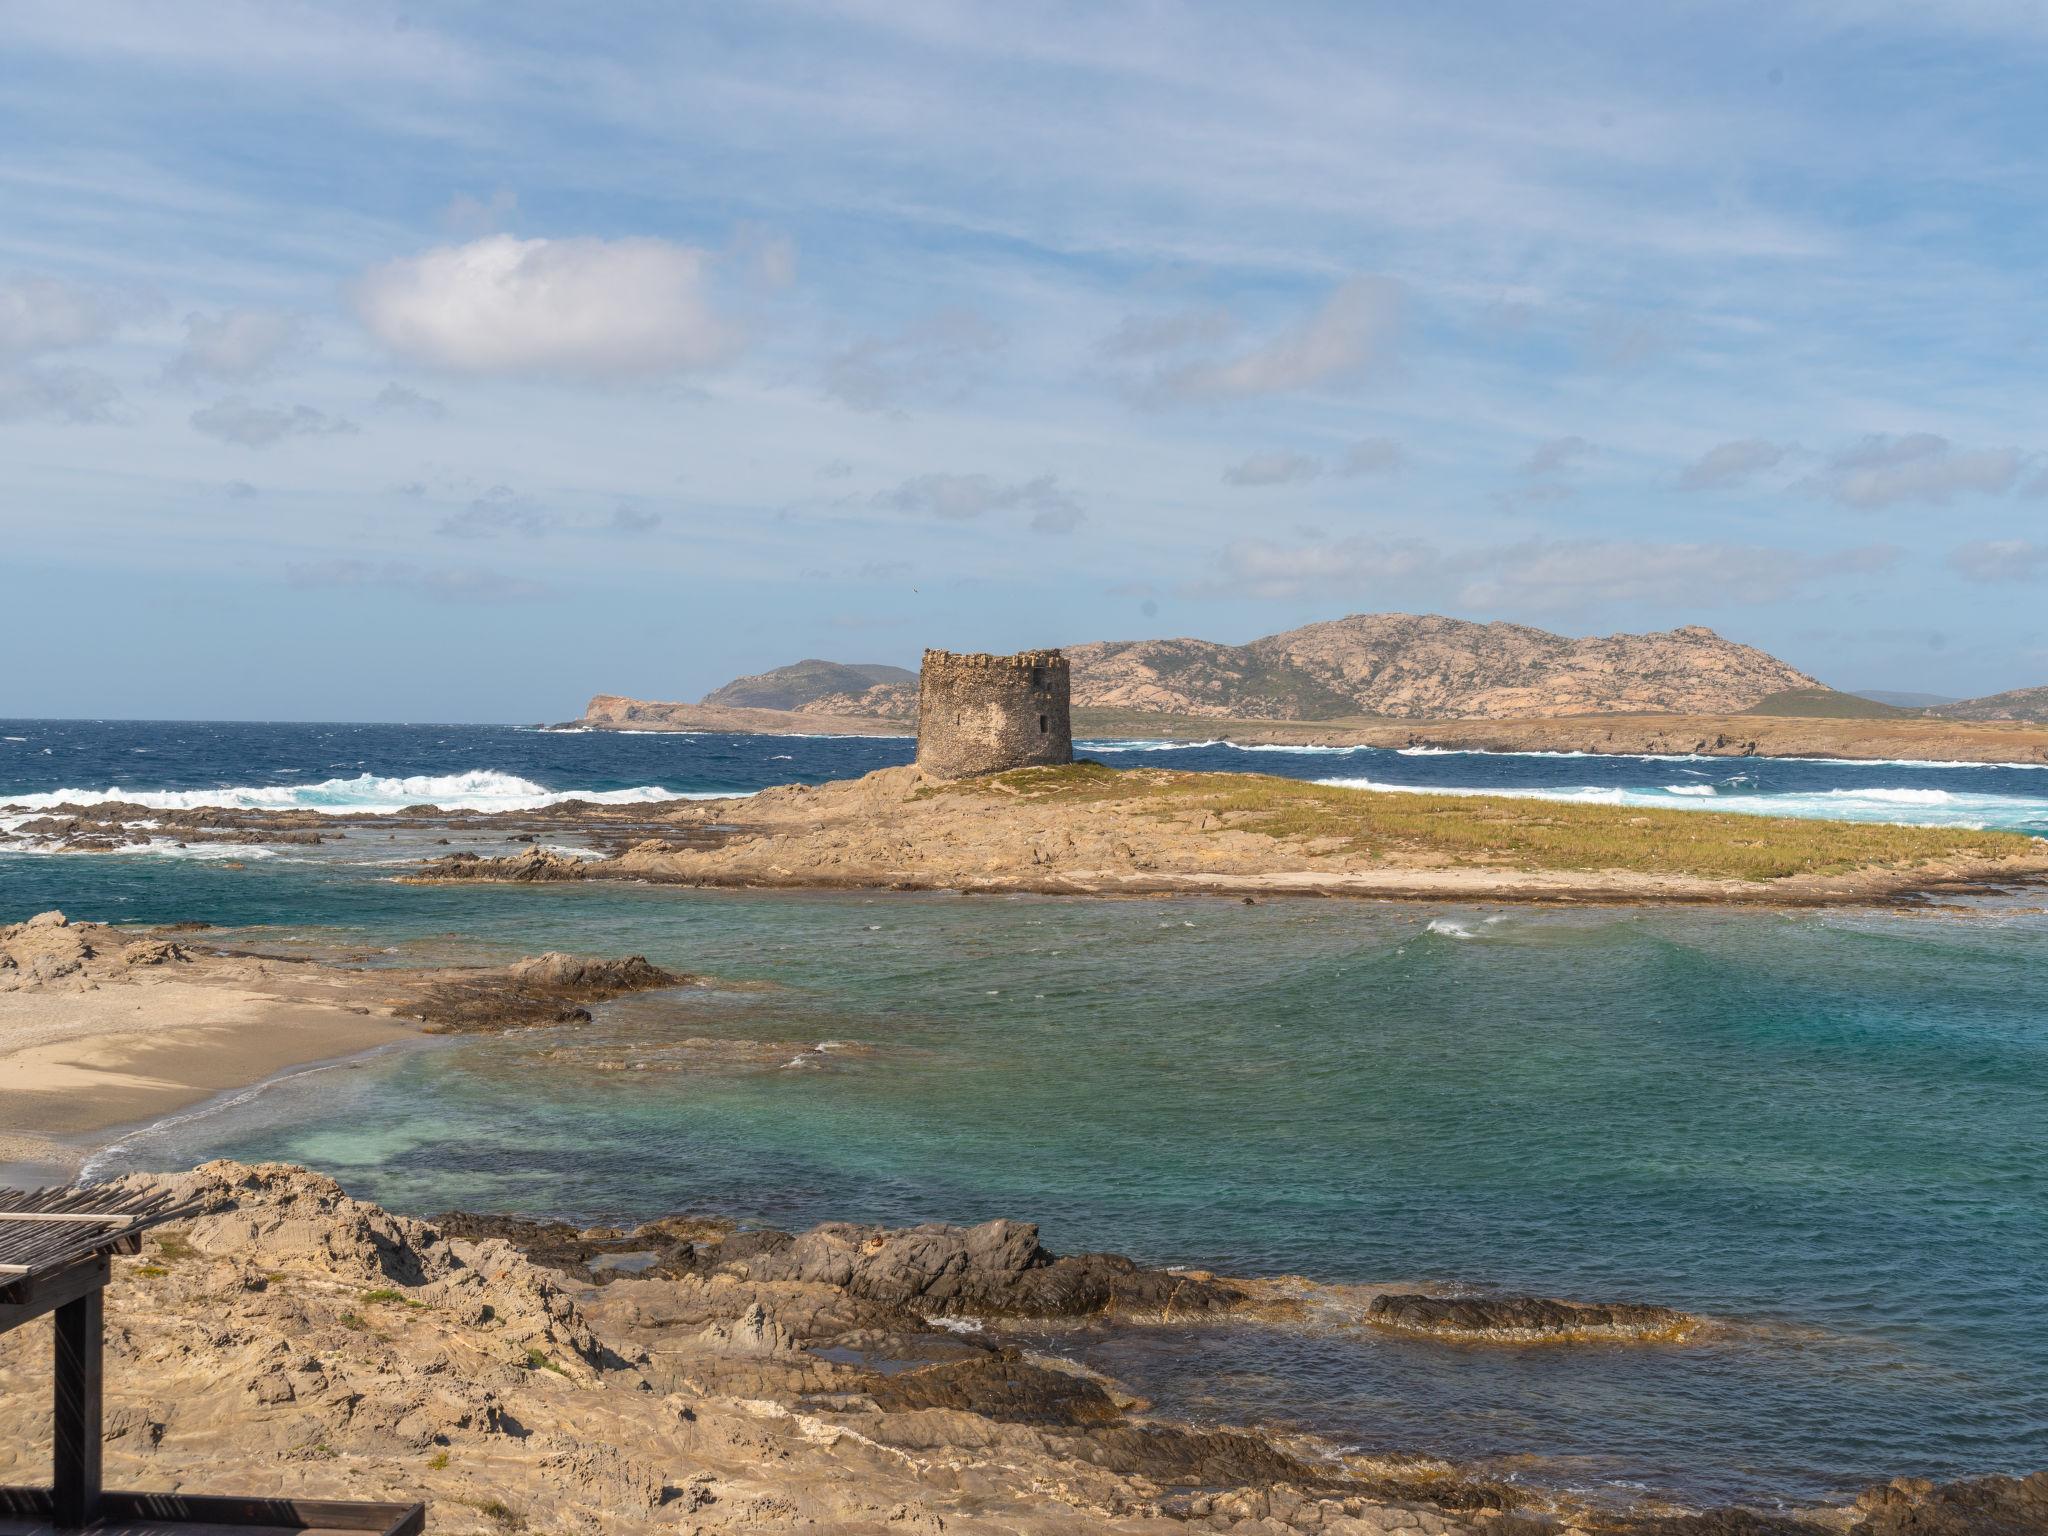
pixel 1088 830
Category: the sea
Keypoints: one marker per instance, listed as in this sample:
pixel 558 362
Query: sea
pixel 1822 1131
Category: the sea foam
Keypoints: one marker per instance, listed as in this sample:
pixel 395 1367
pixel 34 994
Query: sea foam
pixel 1907 807
pixel 482 789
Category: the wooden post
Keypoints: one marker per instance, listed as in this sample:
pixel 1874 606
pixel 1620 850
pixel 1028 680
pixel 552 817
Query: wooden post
pixel 75 1485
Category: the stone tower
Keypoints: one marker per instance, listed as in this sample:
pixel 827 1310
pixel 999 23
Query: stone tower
pixel 982 714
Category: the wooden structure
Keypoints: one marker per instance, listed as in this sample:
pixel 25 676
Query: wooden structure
pixel 56 1247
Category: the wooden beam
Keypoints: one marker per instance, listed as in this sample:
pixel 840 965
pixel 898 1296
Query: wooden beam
pixel 31 1298
pixel 104 1218
pixel 75 1451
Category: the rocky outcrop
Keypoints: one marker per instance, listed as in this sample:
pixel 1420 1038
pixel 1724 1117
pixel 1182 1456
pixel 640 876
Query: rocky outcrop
pixel 535 864
pixel 1526 1319
pixel 46 950
pixel 544 989
pixel 996 1269
pixel 1984 1506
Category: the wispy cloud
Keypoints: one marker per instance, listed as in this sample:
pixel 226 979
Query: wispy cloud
pixel 1917 468
pixel 935 360
pixel 1545 575
pixel 238 346
pixel 1351 331
pixel 404 400
pixel 502 511
pixel 960 498
pixel 1273 469
pixel 237 419
pixel 444 583
pixel 2000 560
pixel 1732 463
pixel 59 393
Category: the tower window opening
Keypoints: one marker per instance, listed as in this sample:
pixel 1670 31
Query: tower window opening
pixel 1041 725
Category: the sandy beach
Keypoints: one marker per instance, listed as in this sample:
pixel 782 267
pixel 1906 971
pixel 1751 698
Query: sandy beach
pixel 104 1027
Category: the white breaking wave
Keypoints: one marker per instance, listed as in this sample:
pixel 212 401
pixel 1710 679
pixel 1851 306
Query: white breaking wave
pixel 482 789
pixel 1907 807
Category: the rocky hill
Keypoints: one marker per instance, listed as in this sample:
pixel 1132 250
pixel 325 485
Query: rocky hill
pixel 825 688
pixel 2030 704
pixel 1408 666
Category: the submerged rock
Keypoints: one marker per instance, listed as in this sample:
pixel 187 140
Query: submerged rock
pixel 543 989
pixel 1520 1319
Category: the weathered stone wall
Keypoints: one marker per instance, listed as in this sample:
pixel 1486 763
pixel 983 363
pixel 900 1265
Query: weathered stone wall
pixel 982 714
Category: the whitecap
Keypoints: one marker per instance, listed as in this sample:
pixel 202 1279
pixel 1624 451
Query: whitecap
pixel 1908 807
pixel 481 789
pixel 1449 929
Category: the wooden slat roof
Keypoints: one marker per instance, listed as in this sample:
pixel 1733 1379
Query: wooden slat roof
pixel 42 1230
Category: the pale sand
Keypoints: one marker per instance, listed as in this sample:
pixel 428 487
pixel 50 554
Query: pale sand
pixel 76 1063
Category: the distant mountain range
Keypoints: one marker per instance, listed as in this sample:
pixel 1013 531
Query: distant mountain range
pixel 1394 666
pixel 1389 665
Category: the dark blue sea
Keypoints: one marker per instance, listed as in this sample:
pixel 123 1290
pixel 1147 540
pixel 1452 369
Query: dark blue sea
pixel 1823 1131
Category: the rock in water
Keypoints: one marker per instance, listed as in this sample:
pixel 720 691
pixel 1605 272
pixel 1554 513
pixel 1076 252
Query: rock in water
pixel 1521 1319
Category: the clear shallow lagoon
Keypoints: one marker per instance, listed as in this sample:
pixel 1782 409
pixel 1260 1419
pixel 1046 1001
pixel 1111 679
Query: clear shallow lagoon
pixel 1825 1129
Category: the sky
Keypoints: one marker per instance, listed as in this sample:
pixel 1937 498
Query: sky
pixel 456 362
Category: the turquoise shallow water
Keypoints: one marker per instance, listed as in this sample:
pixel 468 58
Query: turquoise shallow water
pixel 1822 1130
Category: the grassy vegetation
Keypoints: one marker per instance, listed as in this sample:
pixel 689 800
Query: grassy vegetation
pixel 387 1294
pixel 1477 830
pixel 1826 704
pixel 538 1361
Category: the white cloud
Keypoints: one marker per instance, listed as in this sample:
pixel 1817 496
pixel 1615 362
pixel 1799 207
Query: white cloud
pixel 1882 471
pixel 938 358
pixel 237 419
pixel 582 307
pixel 1732 463
pixel 59 393
pixel 1353 329
pixel 1995 560
pixel 1273 469
pixel 1373 456
pixel 961 498
pixel 49 314
pixel 237 346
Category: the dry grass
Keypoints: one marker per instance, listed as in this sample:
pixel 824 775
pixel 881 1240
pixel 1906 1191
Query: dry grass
pixel 1519 834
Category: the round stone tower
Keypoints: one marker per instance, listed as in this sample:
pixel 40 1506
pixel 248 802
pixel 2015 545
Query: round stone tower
pixel 982 714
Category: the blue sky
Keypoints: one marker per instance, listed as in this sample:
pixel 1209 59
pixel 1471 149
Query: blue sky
pixel 458 361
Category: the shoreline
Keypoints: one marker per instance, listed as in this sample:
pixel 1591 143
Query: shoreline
pixel 2016 744
pixel 107 1031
